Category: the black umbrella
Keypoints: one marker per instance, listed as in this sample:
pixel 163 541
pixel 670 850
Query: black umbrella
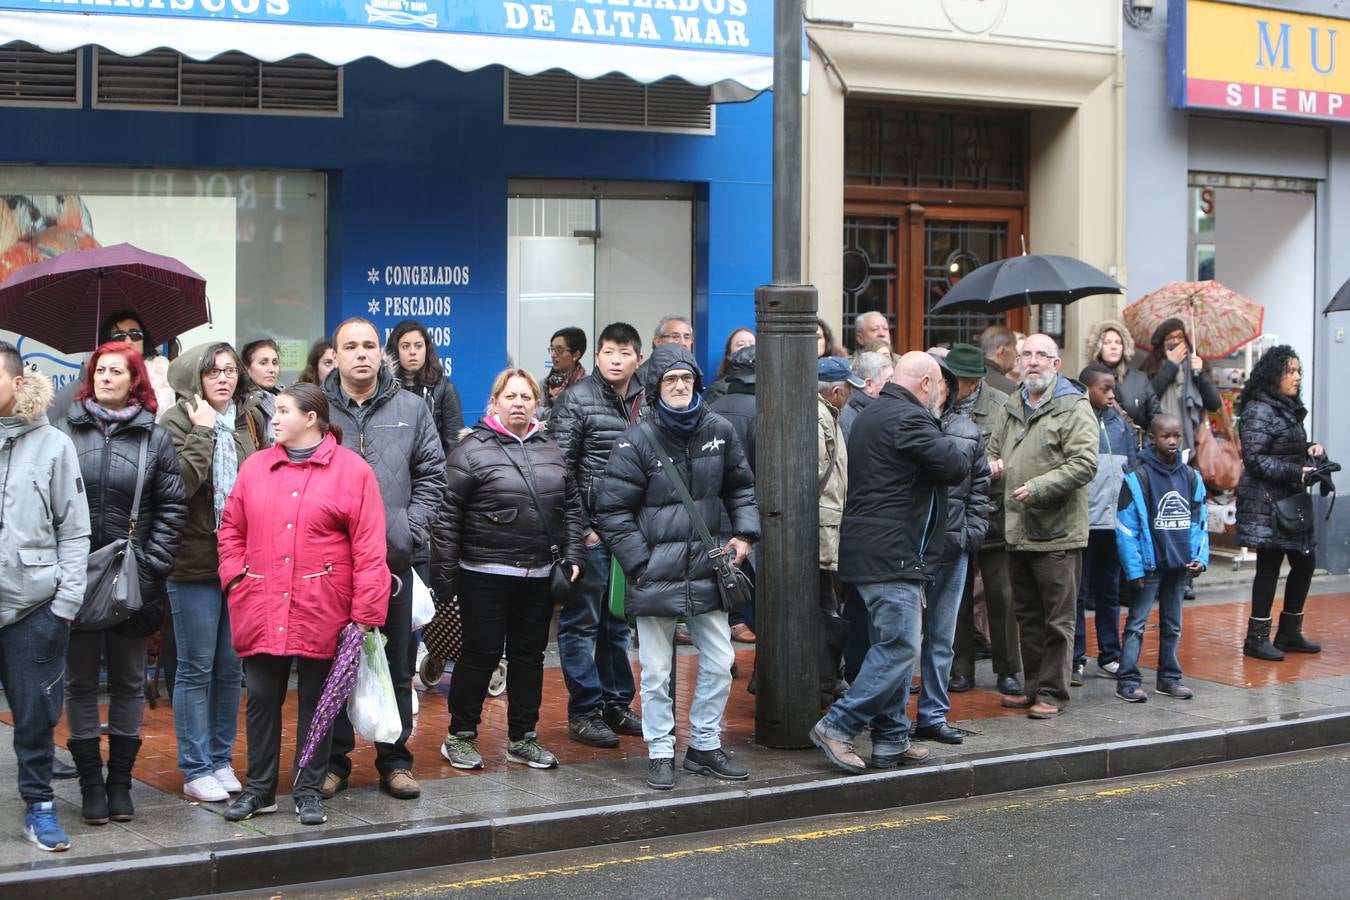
pixel 1024 280
pixel 1340 302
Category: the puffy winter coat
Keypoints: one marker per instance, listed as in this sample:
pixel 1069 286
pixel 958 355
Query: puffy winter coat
pixel 489 517
pixel 899 466
pixel 1274 452
pixel 442 400
pixel 109 467
pixel 44 545
pixel 988 411
pixel 1134 392
pixel 197 559
pixel 968 501
pixel 302 551
pixel 1053 451
pixel 586 421
pixel 648 529
pixel 396 435
pixel 1115 451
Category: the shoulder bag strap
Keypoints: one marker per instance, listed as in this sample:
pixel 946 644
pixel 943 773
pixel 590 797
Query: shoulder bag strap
pixel 140 483
pixel 553 547
pixel 829 468
pixel 673 473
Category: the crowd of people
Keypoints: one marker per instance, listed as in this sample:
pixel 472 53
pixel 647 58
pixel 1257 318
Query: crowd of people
pixel 969 484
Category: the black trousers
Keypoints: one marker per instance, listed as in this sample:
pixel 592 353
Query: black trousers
pixel 401 652
pixel 497 611
pixel 267 678
pixel 1268 562
pixel 998 600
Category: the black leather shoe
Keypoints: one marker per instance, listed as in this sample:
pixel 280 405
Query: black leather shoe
pixel 661 774
pixel 1009 684
pixel 622 720
pixel 309 810
pixel 960 684
pixel 247 805
pixel 591 730
pixel 714 762
pixel 941 732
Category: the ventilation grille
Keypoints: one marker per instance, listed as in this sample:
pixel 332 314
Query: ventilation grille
pixel 556 97
pixel 29 75
pixel 164 79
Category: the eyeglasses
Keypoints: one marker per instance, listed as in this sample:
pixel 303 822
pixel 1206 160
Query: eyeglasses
pixel 677 336
pixel 559 350
pixel 228 372
pixel 1038 355
pixel 133 335
pixel 677 379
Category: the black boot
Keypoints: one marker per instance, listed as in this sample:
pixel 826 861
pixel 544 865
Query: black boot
pixel 1258 643
pixel 89 763
pixel 1290 637
pixel 121 758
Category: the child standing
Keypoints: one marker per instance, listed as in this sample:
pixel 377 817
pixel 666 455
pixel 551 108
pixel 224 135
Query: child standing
pixel 1161 536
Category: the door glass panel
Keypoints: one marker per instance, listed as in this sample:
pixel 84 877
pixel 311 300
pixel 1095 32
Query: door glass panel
pixel 952 250
pixel 552 282
pixel 871 270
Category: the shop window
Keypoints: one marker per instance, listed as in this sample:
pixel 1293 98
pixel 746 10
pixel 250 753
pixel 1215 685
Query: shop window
pixel 558 98
pixel 30 76
pixel 892 146
pixel 231 82
pixel 258 237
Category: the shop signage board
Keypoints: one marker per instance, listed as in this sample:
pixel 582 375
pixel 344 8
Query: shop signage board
pixel 701 41
pixel 1249 59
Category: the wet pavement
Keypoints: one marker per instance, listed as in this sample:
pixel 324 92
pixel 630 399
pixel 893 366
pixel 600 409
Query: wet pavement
pixel 1229 689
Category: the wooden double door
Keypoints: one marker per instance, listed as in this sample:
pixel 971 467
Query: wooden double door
pixel 901 258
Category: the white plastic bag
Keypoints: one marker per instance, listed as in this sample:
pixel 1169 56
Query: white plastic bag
pixel 423 606
pixel 372 707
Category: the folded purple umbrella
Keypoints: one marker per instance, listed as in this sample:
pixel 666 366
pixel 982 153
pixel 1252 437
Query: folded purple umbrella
pixel 337 687
pixel 62 301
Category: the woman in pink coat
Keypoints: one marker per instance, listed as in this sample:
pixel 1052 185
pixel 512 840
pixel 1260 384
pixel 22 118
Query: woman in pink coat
pixel 302 553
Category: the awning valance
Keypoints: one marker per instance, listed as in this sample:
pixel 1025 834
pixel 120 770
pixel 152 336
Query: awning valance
pixel 705 42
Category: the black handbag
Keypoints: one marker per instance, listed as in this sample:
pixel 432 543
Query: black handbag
pixel 561 588
pixel 112 591
pixel 1294 514
pixel 733 585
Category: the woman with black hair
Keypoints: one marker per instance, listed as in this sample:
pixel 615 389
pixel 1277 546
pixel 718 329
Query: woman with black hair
pixel 419 370
pixel 1181 380
pixel 262 361
pixel 322 360
pixel 1276 458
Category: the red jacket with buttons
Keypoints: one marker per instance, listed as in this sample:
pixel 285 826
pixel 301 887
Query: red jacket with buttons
pixel 302 551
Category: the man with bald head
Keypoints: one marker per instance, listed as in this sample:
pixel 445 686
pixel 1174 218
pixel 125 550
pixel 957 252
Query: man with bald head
pixel 899 466
pixel 1043 455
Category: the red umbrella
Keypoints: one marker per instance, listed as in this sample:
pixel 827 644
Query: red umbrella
pixel 62 301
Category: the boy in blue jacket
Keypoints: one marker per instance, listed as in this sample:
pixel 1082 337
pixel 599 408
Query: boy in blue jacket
pixel 1161 536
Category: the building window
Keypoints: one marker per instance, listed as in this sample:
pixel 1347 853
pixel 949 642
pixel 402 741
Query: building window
pixel 30 76
pixel 891 146
pixel 615 102
pixel 229 83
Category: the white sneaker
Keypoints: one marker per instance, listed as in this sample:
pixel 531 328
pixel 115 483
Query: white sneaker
pixel 1109 670
pixel 497 684
pixel 206 789
pixel 228 780
pixel 416 703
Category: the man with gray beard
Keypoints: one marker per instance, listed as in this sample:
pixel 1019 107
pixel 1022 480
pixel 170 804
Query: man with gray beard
pixel 1043 455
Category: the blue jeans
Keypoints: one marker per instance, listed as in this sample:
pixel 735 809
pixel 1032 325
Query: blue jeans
pixel 1167 586
pixel 712 638
pixel 593 645
pixel 1101 580
pixel 881 690
pixel 206 689
pixel 33 666
pixel 939 634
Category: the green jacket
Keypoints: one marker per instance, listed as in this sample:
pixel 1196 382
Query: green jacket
pixel 987 412
pixel 197 559
pixel 1053 451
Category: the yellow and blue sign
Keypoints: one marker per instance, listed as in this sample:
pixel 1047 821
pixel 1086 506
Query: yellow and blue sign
pixel 1248 59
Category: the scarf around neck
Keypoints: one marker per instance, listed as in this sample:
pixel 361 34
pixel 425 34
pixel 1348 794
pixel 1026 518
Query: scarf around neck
pixel 109 420
pixel 683 422
pixel 224 461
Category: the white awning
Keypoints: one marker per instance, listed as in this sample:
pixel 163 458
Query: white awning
pixel 705 42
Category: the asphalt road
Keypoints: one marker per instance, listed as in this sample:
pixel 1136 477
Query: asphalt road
pixel 1277 827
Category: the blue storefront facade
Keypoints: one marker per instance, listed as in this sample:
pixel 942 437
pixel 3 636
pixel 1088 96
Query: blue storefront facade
pixel 415 171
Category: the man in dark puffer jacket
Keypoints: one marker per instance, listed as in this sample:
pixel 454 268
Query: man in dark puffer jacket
pixel 669 569
pixel 592 644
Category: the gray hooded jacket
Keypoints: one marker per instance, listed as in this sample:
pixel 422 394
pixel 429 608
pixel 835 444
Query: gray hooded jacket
pixel 44 514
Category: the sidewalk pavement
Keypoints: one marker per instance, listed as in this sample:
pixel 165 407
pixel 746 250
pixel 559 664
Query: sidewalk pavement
pixel 176 847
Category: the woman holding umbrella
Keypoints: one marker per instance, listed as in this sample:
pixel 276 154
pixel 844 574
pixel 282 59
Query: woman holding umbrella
pixel 113 413
pixel 301 555
pixel 214 430
pixel 1181 379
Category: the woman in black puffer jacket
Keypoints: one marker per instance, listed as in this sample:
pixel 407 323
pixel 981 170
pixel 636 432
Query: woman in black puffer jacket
pixel 670 574
pixel 113 411
pixel 493 550
pixel 1275 457
pixel 419 370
